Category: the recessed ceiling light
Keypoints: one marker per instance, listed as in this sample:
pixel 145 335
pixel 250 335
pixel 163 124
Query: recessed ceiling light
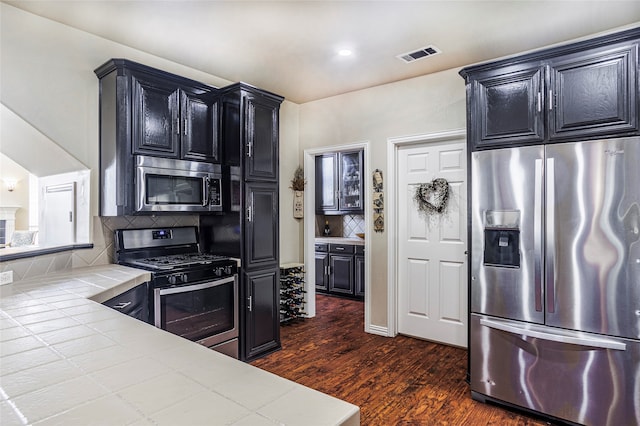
pixel 345 52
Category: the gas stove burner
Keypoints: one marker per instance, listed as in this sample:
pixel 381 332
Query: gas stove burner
pixel 178 260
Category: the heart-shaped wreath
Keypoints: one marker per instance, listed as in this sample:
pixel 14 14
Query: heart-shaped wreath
pixel 432 197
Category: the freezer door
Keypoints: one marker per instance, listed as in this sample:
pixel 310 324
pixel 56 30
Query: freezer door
pixel 580 377
pixel 506 233
pixel 593 236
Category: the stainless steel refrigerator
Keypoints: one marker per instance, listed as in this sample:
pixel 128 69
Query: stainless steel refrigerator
pixel 555 279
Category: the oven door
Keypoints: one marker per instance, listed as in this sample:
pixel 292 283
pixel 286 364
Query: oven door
pixel 176 186
pixel 206 312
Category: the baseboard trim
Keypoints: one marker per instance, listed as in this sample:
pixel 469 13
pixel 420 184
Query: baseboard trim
pixel 377 329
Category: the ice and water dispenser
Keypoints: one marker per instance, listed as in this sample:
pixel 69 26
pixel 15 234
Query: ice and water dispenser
pixel 502 238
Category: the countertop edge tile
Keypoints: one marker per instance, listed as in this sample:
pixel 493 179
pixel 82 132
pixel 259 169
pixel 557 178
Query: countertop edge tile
pixel 96 284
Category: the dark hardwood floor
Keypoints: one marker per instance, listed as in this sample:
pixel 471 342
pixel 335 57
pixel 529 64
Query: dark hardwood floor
pixel 394 381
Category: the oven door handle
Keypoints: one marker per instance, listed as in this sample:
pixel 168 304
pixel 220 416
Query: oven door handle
pixel 195 287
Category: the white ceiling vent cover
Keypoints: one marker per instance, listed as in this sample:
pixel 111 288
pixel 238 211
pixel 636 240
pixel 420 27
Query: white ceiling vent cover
pixel 422 53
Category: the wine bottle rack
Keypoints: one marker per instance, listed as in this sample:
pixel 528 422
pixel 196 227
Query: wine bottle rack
pixel 292 292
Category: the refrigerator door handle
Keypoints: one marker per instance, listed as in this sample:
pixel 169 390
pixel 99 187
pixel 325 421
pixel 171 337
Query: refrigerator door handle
pixel 591 342
pixel 550 245
pixel 537 235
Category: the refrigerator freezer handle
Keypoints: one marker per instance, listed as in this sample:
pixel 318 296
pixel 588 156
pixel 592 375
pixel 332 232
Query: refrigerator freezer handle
pixel 550 246
pixel 537 235
pixel 591 342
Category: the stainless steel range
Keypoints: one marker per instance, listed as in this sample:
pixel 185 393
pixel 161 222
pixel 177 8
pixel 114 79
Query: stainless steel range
pixel 192 294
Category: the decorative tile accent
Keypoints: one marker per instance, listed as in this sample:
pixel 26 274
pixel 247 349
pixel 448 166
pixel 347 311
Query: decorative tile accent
pixel 352 225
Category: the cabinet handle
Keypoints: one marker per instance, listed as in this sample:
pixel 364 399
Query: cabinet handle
pixel 185 126
pixel 121 305
pixel 550 100
pixel 250 210
pixel 339 248
pixel 539 102
pixel 249 148
pixel 250 300
pixel 178 126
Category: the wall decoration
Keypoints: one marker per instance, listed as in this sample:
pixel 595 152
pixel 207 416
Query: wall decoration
pixel 431 198
pixel 378 201
pixel 297 184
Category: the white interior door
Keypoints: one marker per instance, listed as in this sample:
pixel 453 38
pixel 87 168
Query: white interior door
pixel 432 264
pixel 58 221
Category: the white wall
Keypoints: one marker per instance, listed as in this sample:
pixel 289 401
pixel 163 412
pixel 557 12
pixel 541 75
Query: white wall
pixel 422 105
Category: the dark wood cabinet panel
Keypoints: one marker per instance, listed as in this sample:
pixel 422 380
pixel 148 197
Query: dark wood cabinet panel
pixel 322 277
pixel 338 269
pixel 261 225
pixel 594 94
pixel 199 127
pixel 341 277
pixel 579 91
pixel 262 314
pixel 508 107
pixel 156 115
pixel 261 139
pixel 359 275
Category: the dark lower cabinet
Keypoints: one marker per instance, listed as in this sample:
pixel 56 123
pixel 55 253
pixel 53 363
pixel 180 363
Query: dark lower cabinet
pixel 261 225
pixel 262 316
pixel 133 302
pixel 340 270
pixel 322 276
pixel 359 277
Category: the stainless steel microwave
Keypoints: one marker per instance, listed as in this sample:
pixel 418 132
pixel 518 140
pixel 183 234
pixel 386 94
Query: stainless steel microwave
pixel 168 185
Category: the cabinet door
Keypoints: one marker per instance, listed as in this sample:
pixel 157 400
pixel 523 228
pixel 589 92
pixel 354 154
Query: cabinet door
pixel 155 121
pixel 199 114
pixel 507 107
pixel 261 225
pixel 322 261
pixel 261 139
pixel 326 182
pixel 350 182
pixel 341 275
pixel 262 314
pixel 359 279
pixel 594 94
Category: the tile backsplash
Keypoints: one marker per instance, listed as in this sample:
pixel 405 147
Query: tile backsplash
pixel 341 226
pixel 102 252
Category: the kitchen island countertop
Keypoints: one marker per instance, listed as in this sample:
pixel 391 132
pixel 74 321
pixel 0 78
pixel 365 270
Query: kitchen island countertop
pixel 67 359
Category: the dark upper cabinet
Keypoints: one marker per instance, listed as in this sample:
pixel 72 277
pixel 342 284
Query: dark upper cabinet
pixel 156 116
pixel 508 106
pixel 261 330
pixel 339 187
pixel 594 94
pixel 250 131
pixel 580 91
pixel 170 116
pixel 199 140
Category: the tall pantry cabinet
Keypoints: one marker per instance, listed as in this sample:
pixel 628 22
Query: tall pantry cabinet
pixel 249 230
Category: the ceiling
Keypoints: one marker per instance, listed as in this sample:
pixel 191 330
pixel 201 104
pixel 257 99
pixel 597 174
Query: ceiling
pixel 289 47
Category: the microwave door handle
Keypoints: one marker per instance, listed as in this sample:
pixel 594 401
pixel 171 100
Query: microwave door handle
pixel 205 192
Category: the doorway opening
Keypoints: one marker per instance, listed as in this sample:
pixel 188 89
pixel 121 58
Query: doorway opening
pixel 310 225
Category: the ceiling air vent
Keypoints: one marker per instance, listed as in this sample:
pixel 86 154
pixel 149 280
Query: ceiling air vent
pixel 419 54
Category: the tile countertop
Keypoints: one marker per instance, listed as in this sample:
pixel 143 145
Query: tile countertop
pixel 340 240
pixel 67 359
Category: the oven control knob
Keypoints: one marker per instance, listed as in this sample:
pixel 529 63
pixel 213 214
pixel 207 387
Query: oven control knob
pixel 218 272
pixel 184 278
pixel 227 270
pixel 172 279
